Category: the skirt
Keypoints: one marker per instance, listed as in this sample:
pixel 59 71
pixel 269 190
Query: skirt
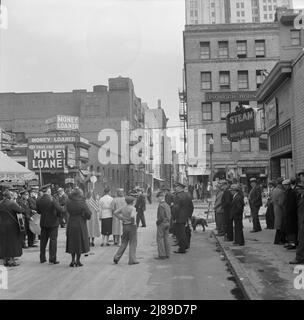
pixel 106 226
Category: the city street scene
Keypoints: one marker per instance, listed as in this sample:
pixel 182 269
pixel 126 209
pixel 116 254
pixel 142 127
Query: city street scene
pixel 152 150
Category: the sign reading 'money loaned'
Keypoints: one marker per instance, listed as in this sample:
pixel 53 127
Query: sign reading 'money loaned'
pixel 241 125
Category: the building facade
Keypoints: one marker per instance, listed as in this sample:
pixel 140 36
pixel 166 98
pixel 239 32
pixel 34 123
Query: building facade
pixel 232 11
pixel 103 108
pixel 283 97
pixel 224 66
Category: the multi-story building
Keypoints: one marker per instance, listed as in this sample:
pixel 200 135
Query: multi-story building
pixel 232 11
pixel 224 66
pixel 103 108
pixel 283 97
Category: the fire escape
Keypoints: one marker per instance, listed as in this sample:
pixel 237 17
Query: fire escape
pixel 183 119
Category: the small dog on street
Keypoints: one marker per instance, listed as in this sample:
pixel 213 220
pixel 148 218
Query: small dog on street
pixel 196 221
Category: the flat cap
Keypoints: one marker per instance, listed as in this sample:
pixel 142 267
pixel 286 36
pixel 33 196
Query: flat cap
pixel 129 199
pixel 178 184
pixel 301 172
pixel 272 183
pixel 34 188
pixel 234 187
pixel 253 180
pixel 60 189
pixel 23 191
pixel 286 181
pixel 280 180
pixel 45 187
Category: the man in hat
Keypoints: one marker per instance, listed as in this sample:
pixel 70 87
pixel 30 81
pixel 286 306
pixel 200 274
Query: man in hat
pixel 50 212
pixel 278 199
pixel 182 211
pixel 219 211
pixel 236 214
pixel 269 205
pixel 62 199
pixel 140 209
pixel 29 235
pixel 290 219
pixel 255 203
pixel 226 202
pixel 300 213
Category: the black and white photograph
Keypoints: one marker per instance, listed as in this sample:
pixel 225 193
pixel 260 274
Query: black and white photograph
pixel 151 151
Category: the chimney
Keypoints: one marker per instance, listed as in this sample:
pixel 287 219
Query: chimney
pixel 159 103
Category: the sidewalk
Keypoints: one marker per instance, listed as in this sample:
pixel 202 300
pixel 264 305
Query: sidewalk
pixel 261 268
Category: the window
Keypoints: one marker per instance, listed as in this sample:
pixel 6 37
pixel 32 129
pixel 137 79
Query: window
pixel 195 13
pixel 205 50
pixel 295 37
pixel 260 48
pixel 207 111
pixel 259 78
pixel 241 49
pixel 212 5
pixel 208 137
pixel 270 16
pixel 263 142
pixel 243 79
pixel 265 8
pixel 243 13
pixel 213 14
pixel 223 49
pixel 270 7
pixel 238 13
pixel 225 143
pixel 242 5
pixel 206 80
pixel 224 80
pixel 265 16
pixel 238 5
pixel 225 109
pixel 245 145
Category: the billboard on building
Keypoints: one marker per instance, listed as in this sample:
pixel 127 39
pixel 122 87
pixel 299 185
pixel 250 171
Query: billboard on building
pixel 271 114
pixel 62 123
pixel 241 124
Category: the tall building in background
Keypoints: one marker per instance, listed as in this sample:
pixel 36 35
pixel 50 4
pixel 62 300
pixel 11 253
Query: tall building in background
pixel 232 11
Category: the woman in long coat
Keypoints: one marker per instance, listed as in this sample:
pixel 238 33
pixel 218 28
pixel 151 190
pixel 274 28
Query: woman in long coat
pixel 93 223
pixel 278 199
pixel 118 203
pixel 77 232
pixel 10 235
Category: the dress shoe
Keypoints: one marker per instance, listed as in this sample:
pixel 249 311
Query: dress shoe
pixel 102 245
pixel 73 264
pixel 115 261
pixel 296 261
pixel 253 231
pixel 291 247
pixel 43 261
pixel 79 264
pixel 107 244
pixel 183 252
pixel 159 258
pixel 136 262
pixel 33 246
pixel 54 262
pixel 25 247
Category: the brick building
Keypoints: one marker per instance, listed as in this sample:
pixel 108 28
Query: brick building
pixel 104 107
pixel 224 66
pixel 283 97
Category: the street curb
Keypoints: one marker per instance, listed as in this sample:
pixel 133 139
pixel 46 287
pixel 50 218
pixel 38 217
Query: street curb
pixel 239 273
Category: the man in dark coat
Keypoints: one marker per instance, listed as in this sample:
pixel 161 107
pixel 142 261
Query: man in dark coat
pixel 140 209
pixel 50 212
pixel 182 211
pixel 300 210
pixel 10 235
pixel 236 214
pixel 226 205
pixel 269 205
pixel 290 218
pixel 255 202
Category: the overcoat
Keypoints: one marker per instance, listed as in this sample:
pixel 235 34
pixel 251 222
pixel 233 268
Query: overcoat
pixel 77 231
pixel 290 220
pixel 278 199
pixel 183 207
pixel 10 235
pixel 50 211
pixel 93 223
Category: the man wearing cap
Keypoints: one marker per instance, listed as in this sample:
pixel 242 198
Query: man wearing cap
pixel 236 214
pixel 255 202
pixel 300 213
pixel 50 212
pixel 278 198
pixel 219 211
pixel 269 205
pixel 226 205
pixel 290 218
pixel 140 208
pixel 182 211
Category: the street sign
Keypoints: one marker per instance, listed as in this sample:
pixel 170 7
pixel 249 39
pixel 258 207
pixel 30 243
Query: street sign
pixel 93 179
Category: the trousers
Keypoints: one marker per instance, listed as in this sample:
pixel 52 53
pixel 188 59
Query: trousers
pixel 270 217
pixel 129 237
pixel 255 218
pixel 219 219
pixel 46 235
pixel 162 239
pixel 238 231
pixel 140 217
pixel 228 225
pixel 181 236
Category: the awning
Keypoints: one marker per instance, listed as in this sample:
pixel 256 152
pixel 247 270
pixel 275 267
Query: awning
pixel 198 171
pixel 10 170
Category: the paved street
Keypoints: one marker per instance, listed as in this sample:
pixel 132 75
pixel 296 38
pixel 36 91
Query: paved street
pixel 200 274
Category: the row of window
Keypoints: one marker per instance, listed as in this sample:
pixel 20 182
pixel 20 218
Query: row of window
pixel 244 144
pixel 225 81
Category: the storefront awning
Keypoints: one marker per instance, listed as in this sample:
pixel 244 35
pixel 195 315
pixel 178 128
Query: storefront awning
pixel 10 170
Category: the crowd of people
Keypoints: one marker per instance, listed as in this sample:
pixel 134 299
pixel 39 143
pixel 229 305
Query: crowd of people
pixel 284 213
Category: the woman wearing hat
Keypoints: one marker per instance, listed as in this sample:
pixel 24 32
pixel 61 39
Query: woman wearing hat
pixel 10 235
pixel 106 215
pixel 77 233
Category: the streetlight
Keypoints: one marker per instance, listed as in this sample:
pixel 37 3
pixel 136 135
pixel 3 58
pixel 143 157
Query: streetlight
pixel 211 143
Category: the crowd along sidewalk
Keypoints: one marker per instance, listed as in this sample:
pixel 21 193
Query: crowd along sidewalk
pixel 261 268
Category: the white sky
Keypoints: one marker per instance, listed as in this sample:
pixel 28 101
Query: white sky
pixel 61 45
